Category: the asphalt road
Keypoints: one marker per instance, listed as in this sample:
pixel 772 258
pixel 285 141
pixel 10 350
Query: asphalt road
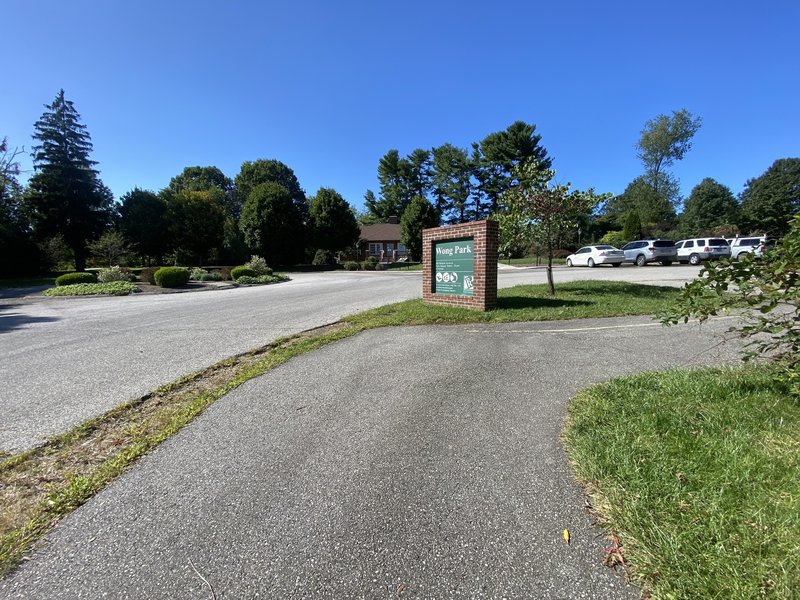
pixel 66 360
pixel 401 463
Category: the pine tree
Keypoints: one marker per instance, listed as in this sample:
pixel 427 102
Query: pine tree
pixel 65 191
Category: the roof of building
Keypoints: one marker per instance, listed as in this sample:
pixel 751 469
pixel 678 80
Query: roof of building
pixel 381 232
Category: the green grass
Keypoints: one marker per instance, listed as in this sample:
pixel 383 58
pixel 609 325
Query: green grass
pixel 113 288
pixel 25 282
pixel 530 261
pixel 698 473
pixel 576 300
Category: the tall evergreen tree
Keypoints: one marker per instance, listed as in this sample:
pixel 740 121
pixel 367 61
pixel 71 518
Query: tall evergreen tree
pixel 452 183
pixel 393 179
pixel 633 226
pixel 65 192
pixel 496 157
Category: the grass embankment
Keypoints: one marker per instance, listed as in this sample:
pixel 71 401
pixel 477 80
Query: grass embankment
pixel 40 486
pixel 698 474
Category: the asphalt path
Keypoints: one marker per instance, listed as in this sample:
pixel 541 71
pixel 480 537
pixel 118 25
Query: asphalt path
pixel 66 360
pixel 414 462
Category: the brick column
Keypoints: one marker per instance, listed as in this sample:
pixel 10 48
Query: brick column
pixel 485 236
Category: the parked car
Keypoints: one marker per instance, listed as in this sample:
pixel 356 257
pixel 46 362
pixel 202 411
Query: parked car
pixel 596 255
pixel 745 245
pixel 696 250
pixel 642 252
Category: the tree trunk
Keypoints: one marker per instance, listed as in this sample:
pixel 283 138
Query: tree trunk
pixel 551 288
pixel 80 258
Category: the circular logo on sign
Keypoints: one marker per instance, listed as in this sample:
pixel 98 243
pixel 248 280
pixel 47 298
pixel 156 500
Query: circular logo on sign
pixel 438 277
pixel 454 277
pixel 446 277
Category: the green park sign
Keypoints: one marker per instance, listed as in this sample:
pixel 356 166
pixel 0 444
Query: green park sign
pixel 453 267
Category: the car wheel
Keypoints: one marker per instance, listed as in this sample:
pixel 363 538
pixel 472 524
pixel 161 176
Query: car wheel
pixel 641 260
pixel 615 264
pixel 740 256
pixel 666 263
pixel 694 260
pixel 569 262
pixel 590 263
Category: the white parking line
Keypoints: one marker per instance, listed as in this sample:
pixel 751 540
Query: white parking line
pixel 580 329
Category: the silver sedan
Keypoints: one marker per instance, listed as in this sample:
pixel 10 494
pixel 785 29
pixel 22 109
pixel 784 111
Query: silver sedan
pixel 596 255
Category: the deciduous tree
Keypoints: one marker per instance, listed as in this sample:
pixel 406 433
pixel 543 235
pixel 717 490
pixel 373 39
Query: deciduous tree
pixel 65 192
pixel 333 224
pixel 419 215
pixel 201 179
pixel 711 205
pixel 143 221
pixel 253 174
pixel 196 223
pixel 664 140
pixel 551 209
pixel 272 224
pixel 770 201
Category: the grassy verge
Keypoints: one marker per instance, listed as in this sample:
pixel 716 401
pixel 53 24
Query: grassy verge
pixel 576 300
pixel 113 288
pixel 39 487
pixel 698 474
pixel 531 261
pixel 25 282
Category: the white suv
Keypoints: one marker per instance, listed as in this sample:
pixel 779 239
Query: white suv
pixel 696 250
pixel 745 245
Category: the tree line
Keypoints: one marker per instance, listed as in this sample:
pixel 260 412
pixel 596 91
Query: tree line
pixel 66 214
pixel 459 185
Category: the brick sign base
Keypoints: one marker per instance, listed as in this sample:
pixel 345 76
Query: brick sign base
pixel 485 237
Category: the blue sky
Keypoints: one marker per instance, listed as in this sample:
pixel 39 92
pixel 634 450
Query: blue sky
pixel 329 87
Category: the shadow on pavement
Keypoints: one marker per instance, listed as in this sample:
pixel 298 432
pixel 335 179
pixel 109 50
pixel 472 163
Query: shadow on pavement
pixel 14 320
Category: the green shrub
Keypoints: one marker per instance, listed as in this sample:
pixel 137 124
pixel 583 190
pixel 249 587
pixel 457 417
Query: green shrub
pixel 351 265
pixel 171 277
pixel 213 276
pixel 614 238
pixel 225 273
pixel 115 273
pixel 258 265
pixel 368 265
pixel 242 271
pixel 323 257
pixel 372 259
pixel 261 279
pixel 148 274
pixel 114 288
pixel 74 278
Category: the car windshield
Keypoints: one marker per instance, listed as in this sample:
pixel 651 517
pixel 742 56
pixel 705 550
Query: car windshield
pixel 663 243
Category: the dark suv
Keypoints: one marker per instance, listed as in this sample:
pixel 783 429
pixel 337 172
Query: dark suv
pixel 642 252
